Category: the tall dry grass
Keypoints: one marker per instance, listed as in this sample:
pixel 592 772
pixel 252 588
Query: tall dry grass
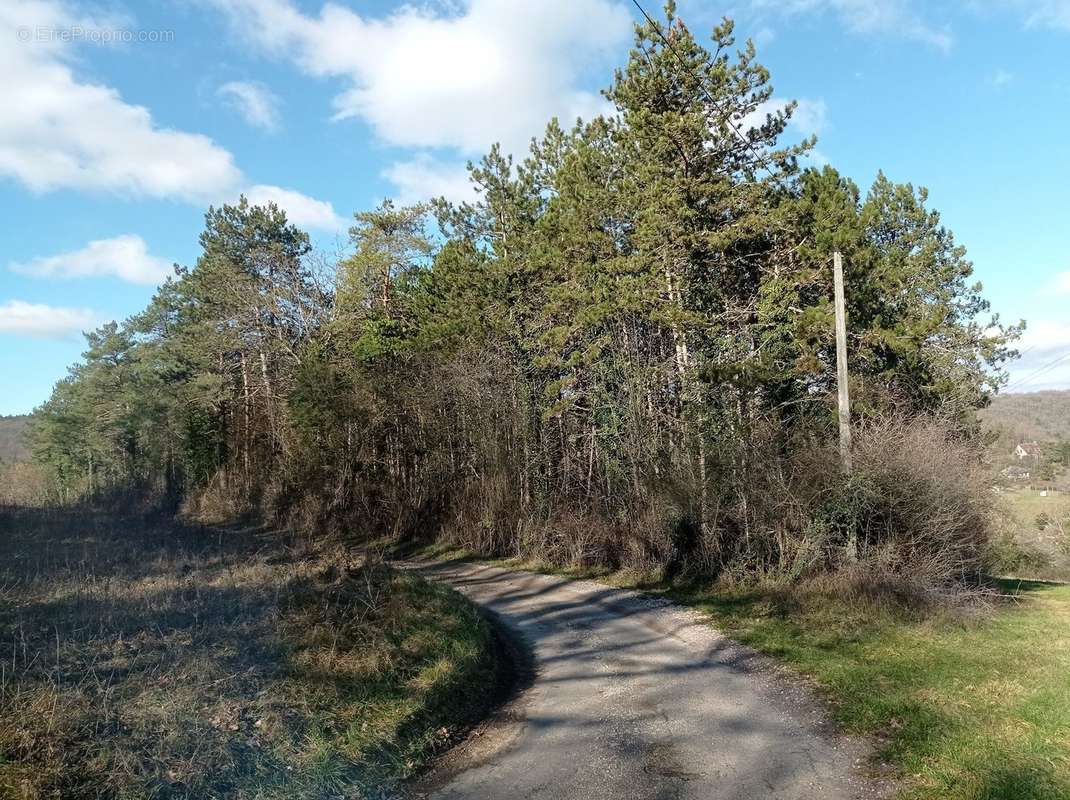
pixel 145 659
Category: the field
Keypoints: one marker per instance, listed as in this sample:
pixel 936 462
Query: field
pixel 149 660
pixel 967 707
pixel 1039 524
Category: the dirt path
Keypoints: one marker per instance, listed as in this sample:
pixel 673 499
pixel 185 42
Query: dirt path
pixel 634 698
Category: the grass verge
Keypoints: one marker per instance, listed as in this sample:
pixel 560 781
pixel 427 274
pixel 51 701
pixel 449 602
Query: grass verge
pixel 155 661
pixel 967 706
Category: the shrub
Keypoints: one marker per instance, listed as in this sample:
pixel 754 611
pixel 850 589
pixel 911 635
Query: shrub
pixel 917 502
pixel 916 512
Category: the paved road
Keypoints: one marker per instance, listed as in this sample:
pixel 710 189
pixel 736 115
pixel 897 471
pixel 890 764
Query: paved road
pixel 635 699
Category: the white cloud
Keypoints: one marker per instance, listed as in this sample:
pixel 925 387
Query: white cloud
pixel 1045 336
pixel 810 116
pixel 301 210
pixel 763 36
pixel 893 17
pixel 1047 13
pixel 125 257
pixel 422 178
pixel 816 158
pixel 56 131
pixel 1000 78
pixel 1061 283
pixel 44 321
pixel 254 102
pixel 1045 361
pixel 496 70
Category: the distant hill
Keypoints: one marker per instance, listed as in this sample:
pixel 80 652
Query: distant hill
pixel 13 445
pixel 1033 415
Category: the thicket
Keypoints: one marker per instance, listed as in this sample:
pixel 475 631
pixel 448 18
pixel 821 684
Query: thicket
pixel 620 353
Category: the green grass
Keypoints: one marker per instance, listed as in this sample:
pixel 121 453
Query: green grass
pixel 156 661
pixel 1022 507
pixel 967 706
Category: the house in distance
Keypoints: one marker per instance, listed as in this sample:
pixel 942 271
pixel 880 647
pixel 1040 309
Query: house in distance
pixel 1028 451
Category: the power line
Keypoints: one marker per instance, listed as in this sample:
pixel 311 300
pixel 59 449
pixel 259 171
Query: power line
pixel 1023 353
pixel 726 117
pixel 1044 369
pixel 1028 350
pixel 1025 383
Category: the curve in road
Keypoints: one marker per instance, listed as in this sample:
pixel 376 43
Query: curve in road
pixel 634 698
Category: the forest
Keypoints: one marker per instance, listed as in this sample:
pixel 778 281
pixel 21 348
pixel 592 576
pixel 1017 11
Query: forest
pixel 620 353
pixel 1040 416
pixel 13 438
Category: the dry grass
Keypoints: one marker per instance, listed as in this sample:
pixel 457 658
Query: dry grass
pixel 24 483
pixel 155 661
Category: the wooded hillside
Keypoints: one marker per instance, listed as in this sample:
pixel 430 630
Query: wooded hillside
pixel 1040 416
pixel 13 443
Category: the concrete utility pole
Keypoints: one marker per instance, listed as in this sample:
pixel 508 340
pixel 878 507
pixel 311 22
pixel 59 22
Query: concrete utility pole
pixel 841 364
pixel 843 390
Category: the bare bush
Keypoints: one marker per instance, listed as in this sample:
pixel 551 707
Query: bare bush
pixel 222 499
pixel 918 501
pixel 916 512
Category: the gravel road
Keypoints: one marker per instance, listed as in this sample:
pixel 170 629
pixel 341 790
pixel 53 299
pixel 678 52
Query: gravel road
pixel 633 698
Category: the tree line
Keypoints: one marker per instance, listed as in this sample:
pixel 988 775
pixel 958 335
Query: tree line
pixel 621 351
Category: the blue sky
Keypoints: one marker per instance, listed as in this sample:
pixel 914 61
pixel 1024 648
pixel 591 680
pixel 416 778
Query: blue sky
pixel 121 120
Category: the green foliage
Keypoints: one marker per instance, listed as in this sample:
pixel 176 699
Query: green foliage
pixel 172 395
pixel 630 323
pixel 1058 452
pixel 918 333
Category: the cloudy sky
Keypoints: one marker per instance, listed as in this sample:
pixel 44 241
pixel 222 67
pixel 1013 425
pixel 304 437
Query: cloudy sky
pixel 122 120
